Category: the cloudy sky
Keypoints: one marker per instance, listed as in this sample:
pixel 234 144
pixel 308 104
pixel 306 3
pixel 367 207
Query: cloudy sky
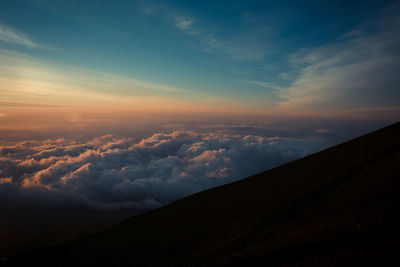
pixel 256 57
pixel 112 108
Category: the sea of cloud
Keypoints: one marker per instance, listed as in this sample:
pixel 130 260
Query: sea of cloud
pixel 111 172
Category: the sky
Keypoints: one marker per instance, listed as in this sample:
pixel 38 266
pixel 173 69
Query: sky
pixel 112 108
pixel 330 58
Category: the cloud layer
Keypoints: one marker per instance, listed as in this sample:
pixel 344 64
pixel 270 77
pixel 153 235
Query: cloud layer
pixel 28 80
pixel 116 173
pixel 242 46
pixel 358 71
pixel 12 36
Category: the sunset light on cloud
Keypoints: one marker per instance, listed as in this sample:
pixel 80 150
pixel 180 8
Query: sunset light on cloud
pixel 126 106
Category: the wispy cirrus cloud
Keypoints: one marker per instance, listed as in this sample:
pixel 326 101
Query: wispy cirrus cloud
pixel 12 36
pixel 30 80
pixel 183 23
pixel 358 73
pixel 240 47
pixel 265 84
pixel 178 20
pixel 355 73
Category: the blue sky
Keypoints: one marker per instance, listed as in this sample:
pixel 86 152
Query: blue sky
pixel 258 56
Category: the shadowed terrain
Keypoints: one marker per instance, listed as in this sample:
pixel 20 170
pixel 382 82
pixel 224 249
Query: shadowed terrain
pixel 335 207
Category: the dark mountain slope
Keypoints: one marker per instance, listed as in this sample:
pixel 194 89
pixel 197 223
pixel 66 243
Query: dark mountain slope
pixel 335 207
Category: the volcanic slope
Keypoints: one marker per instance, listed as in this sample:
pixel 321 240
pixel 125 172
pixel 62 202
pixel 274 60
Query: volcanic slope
pixel 336 207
